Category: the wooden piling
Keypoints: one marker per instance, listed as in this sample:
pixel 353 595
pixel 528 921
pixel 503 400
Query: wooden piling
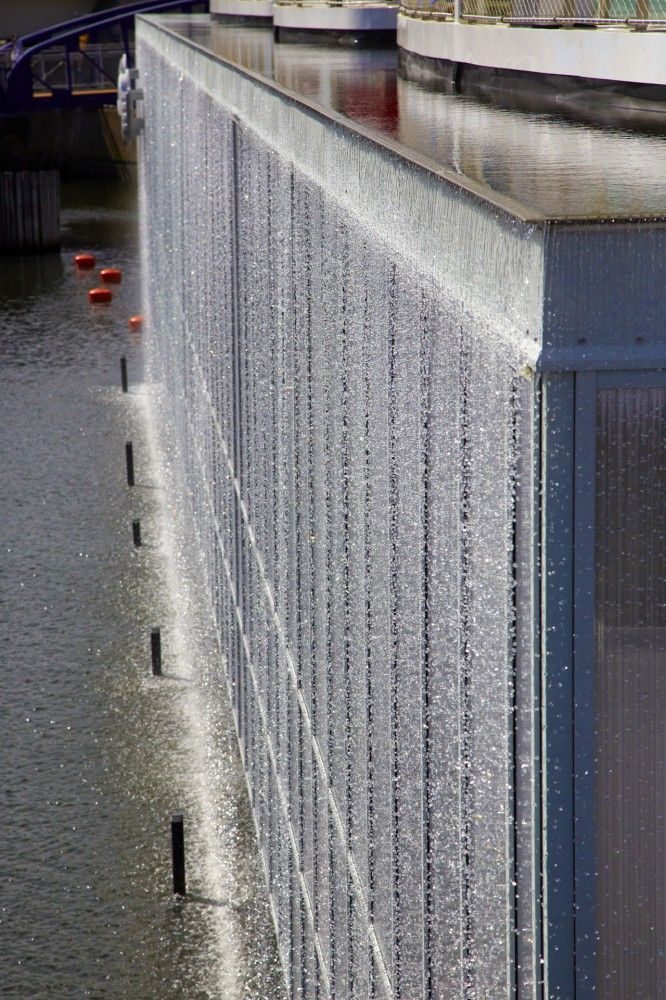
pixel 29 211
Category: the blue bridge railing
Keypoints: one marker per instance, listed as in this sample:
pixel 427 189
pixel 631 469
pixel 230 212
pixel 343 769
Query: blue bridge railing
pixel 75 63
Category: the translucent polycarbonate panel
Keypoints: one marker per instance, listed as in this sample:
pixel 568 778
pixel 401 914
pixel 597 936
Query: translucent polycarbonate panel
pixel 631 693
pixel 349 436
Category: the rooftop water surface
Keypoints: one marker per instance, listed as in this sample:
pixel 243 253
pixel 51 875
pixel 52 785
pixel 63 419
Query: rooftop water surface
pixel 537 167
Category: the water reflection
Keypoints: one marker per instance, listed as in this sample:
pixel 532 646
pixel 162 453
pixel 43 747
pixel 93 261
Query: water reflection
pixel 551 166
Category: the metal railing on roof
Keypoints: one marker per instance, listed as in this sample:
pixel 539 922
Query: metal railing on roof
pixel 337 3
pixel 438 9
pixel 633 13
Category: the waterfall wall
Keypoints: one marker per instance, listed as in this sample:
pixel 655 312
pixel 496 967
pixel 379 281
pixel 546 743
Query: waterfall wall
pixel 342 342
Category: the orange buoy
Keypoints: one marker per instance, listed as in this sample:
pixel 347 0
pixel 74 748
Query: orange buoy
pixel 96 295
pixel 135 323
pixel 111 275
pixel 84 261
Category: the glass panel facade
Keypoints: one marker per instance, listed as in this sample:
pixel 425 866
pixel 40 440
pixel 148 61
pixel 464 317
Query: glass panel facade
pixel 631 693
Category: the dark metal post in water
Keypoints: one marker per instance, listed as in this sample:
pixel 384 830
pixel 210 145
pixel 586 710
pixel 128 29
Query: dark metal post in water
pixel 136 533
pixel 156 652
pixel 129 455
pixel 178 854
pixel 123 372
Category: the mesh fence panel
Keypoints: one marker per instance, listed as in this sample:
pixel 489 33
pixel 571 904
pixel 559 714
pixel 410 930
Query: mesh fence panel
pixel 428 8
pixel 342 3
pixel 551 11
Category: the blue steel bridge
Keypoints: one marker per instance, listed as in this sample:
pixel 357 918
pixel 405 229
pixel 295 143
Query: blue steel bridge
pixel 75 64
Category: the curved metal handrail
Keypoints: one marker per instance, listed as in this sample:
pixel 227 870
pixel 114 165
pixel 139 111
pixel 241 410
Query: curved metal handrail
pixel 636 14
pixel 18 55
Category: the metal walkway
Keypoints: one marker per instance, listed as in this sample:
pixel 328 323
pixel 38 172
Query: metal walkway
pixel 75 63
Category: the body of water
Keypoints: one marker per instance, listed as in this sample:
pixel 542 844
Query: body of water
pixel 95 753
